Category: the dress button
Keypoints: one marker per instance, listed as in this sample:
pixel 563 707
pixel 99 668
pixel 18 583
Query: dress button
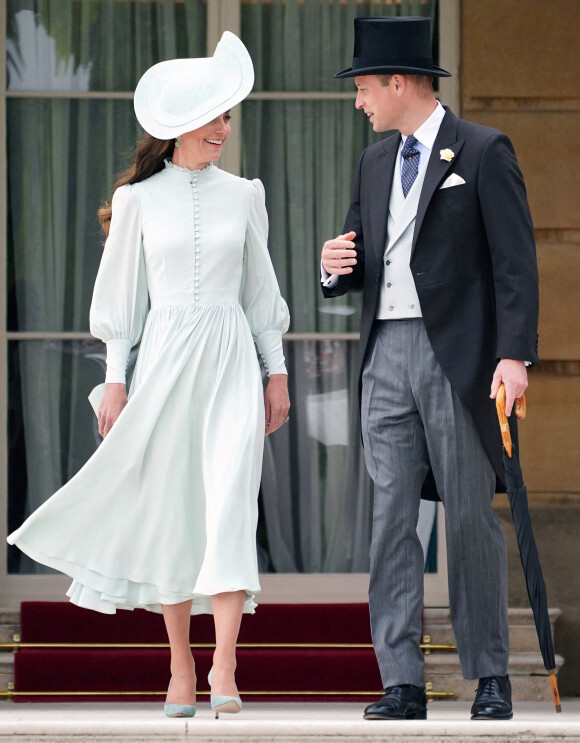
pixel 411 306
pixel 391 308
pixel 389 285
pixel 387 263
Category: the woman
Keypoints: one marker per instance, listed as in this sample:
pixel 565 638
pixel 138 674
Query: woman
pixel 164 515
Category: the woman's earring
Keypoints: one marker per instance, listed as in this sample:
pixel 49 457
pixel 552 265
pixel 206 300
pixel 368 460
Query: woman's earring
pixel 177 142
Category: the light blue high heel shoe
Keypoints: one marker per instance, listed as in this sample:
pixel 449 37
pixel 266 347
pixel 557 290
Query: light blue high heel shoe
pixel 178 710
pixel 232 705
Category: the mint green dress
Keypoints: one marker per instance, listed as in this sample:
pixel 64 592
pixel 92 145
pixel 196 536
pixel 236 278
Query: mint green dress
pixel 166 508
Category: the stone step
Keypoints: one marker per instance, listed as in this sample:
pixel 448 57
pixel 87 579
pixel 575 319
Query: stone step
pixel 448 722
pixel 6 670
pixel 436 624
pixel 520 664
pixel 526 668
pixel 9 624
pixel 442 669
pixel 527 673
pixel 523 637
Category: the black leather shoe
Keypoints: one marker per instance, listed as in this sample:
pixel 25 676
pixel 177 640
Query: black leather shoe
pixel 493 700
pixel 405 702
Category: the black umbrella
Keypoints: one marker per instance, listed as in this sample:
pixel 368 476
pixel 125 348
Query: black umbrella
pixel 518 498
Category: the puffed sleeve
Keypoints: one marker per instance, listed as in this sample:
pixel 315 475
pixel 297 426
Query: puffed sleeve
pixel 266 311
pixel 120 296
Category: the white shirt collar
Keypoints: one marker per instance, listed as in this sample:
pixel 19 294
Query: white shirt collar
pixel 428 130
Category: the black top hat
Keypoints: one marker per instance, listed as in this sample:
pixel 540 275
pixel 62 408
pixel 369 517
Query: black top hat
pixel 383 46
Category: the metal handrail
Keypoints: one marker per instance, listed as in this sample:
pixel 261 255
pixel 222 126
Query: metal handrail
pixel 17 645
pixel 11 692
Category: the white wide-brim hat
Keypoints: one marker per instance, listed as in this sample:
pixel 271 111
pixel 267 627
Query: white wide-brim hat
pixel 180 95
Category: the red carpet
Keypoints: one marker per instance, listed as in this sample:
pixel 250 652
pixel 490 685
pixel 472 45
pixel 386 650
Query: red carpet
pixel 268 672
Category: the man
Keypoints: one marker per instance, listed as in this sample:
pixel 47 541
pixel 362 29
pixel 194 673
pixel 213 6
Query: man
pixel 439 239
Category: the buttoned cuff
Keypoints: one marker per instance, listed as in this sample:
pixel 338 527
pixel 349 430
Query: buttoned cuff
pixel 270 347
pixel 118 351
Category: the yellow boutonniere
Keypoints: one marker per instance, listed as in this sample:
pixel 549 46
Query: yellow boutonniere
pixel 447 155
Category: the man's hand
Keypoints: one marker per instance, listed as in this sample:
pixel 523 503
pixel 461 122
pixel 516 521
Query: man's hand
pixel 338 255
pixel 276 402
pixel 514 375
pixel 113 402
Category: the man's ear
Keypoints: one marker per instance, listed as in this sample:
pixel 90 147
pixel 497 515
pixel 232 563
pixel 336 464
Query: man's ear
pixel 398 82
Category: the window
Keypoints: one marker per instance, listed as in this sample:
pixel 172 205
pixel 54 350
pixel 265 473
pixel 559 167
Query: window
pixel 71 68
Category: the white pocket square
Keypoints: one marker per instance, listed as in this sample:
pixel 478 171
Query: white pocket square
pixel 96 396
pixel 453 180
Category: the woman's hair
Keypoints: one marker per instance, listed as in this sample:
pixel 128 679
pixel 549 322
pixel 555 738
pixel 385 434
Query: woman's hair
pixel 149 157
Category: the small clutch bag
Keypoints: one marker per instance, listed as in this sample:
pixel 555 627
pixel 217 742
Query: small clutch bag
pixel 96 396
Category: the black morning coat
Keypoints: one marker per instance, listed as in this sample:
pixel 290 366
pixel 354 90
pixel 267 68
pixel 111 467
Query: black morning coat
pixel 473 262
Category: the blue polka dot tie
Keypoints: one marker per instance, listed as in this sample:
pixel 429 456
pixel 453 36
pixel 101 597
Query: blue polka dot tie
pixel 410 166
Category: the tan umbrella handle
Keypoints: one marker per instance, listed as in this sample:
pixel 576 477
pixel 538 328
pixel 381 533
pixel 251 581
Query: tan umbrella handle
pixel 519 409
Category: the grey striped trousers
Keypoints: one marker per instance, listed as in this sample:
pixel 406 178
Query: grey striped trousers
pixel 411 417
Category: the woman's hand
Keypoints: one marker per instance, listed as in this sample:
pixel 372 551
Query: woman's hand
pixel 276 402
pixel 113 402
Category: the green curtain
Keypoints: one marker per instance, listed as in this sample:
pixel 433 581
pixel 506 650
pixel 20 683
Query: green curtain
pixel 316 491
pixel 63 155
pixel 306 151
pixel 101 45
